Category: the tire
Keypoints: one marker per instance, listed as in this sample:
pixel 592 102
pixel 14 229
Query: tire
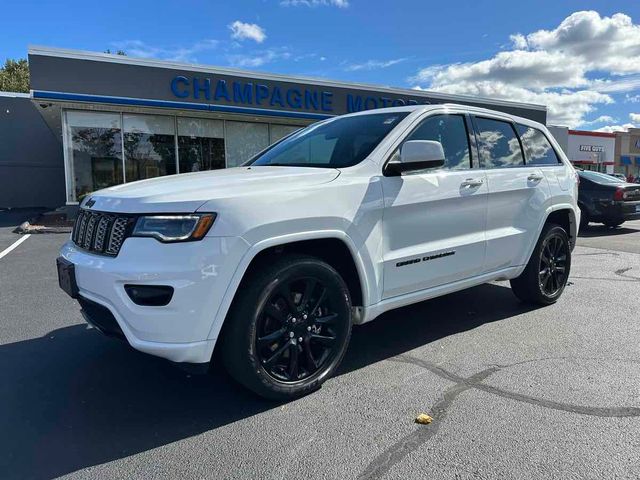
pixel 260 341
pixel 534 286
pixel 613 223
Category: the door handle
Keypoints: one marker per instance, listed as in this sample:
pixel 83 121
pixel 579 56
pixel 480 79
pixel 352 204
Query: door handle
pixel 472 183
pixel 535 177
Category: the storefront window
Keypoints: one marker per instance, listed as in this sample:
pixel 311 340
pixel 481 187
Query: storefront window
pixel 200 144
pixel 244 140
pixel 94 151
pixel 97 157
pixel 149 146
pixel 276 132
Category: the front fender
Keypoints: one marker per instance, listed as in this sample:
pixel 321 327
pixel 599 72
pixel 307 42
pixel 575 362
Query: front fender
pixel 361 258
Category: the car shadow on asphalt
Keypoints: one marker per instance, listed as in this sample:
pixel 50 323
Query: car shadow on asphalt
pixel 604 231
pixel 74 399
pixel 411 327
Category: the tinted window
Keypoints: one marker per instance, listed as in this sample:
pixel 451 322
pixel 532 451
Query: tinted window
pixel 498 144
pixel 451 132
pixel 342 142
pixel 537 148
pixel 599 177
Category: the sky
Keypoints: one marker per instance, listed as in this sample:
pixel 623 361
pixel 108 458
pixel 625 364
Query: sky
pixel 580 58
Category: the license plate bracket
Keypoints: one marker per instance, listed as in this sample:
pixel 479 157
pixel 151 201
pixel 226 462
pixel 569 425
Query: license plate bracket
pixel 67 277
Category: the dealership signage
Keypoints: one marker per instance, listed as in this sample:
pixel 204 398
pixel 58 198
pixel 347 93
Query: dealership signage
pixel 259 94
pixel 99 79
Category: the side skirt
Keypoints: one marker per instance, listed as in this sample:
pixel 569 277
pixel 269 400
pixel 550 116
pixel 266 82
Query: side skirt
pixel 375 310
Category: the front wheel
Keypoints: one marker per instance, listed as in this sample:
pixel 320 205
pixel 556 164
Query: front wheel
pixel 288 328
pixel 546 274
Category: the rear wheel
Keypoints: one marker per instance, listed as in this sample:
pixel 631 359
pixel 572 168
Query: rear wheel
pixel 545 276
pixel 613 223
pixel 288 329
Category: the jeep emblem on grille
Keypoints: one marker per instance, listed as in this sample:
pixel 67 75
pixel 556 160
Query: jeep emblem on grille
pixel 90 203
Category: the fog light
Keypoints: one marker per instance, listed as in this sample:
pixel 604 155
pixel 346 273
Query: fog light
pixel 149 295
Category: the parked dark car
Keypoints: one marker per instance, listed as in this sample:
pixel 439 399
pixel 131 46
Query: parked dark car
pixel 606 199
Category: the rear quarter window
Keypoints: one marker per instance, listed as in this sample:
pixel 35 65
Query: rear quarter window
pixel 537 148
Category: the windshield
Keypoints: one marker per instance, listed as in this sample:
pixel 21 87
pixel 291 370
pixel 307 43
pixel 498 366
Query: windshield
pixel 600 177
pixel 338 143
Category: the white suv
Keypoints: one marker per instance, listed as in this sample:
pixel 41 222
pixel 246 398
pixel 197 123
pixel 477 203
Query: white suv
pixel 273 261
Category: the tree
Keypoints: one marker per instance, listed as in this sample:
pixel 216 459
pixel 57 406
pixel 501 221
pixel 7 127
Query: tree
pixel 14 76
pixel 117 52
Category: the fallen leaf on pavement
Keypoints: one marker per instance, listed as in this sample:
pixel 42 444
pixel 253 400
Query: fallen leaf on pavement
pixel 423 419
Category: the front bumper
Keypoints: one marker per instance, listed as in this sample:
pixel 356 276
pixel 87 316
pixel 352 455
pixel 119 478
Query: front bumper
pixel 199 273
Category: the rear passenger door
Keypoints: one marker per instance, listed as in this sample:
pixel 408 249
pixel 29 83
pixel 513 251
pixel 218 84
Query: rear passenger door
pixel 539 152
pixel 518 193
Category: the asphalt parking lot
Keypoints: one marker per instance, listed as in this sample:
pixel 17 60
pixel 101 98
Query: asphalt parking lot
pixel 515 392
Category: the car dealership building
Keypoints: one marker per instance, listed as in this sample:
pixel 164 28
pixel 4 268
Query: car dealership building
pixel 94 120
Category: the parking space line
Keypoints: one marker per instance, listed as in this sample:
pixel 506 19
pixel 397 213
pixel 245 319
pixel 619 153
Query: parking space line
pixel 14 245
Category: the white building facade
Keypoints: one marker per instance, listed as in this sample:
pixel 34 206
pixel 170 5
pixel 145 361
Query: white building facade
pixel 592 150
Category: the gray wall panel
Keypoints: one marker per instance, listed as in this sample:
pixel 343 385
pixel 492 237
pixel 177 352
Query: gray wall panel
pixel 31 161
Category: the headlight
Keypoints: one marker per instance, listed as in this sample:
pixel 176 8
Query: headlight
pixel 174 228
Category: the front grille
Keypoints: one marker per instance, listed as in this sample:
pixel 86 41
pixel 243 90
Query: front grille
pixel 101 232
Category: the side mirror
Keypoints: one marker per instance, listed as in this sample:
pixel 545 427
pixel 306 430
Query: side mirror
pixel 416 155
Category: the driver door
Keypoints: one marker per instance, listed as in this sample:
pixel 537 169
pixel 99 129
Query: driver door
pixel 434 220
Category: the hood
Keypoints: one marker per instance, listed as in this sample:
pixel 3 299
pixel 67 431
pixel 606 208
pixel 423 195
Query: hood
pixel 188 191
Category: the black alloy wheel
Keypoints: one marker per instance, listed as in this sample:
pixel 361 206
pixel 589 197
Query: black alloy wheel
pixel 545 276
pixel 297 330
pixel 553 264
pixel 288 327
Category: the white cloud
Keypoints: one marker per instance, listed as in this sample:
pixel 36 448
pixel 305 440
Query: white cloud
pixel 634 117
pixel 632 98
pixel 315 3
pixel 558 68
pixel 247 31
pixel 259 58
pixel 531 69
pixel 600 119
pixel 373 64
pixel 616 128
pixel 565 107
pixel 602 43
pixel 624 83
pixel 140 49
pixel 519 41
